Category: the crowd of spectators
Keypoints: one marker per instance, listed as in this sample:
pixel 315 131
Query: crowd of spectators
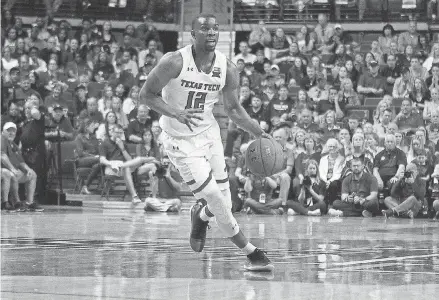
pixel 311 90
pixel 80 86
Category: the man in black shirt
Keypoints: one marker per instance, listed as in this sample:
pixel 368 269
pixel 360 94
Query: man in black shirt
pixel 390 71
pixel 137 126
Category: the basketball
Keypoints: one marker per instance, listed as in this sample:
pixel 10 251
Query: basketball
pixel 264 157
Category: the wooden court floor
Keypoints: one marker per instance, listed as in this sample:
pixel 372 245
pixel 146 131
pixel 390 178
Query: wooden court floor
pixel 80 253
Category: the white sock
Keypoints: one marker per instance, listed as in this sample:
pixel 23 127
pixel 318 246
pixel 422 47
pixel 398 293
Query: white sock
pixel 248 249
pixel 203 215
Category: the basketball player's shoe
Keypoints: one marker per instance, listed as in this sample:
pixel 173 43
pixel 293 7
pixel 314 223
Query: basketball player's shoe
pixel 199 228
pixel 258 262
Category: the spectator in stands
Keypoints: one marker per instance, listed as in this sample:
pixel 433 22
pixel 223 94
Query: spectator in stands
pixel 389 164
pixel 259 37
pixel 382 106
pixel 280 106
pixel 433 57
pixel 91 112
pixel 52 77
pixel 359 193
pixel 35 61
pixel 102 68
pixel 380 127
pixel 409 37
pixel 260 192
pixel 347 95
pixel 391 72
pixel 132 101
pixel 297 71
pixel 104 128
pixel 416 69
pixel 302 103
pixel 51 48
pixel 371 84
pixel 260 61
pixel 376 52
pixel 310 200
pixel 419 94
pixel 10 38
pixel 169 186
pixel 323 30
pixel 358 150
pixel 15 116
pixel 403 59
pixel 283 178
pixel 244 54
pixel 116 107
pixel 301 160
pixel 25 66
pixel 320 91
pixel 305 39
pixel 146 31
pixel 310 79
pixel 353 74
pixel 330 168
pixel 10 88
pixel 388 36
pixel 406 196
pixel 78 66
pixel 324 105
pixel 372 144
pixel 87 152
pixel 433 81
pixel 113 153
pixel 33 41
pixel 108 36
pixel 104 104
pixel 402 86
pixel 137 126
pixel 433 128
pixel 13 161
pixel 151 50
pixel 8 62
pixel 306 121
pixel 328 125
pixel 58 124
pixel 286 58
pixel 408 119
pixel 55 97
pixel 279 41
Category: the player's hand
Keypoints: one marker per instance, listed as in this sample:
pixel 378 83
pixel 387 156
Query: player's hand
pixel 188 117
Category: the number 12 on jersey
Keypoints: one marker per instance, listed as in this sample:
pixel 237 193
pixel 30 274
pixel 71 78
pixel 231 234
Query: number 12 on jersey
pixel 196 100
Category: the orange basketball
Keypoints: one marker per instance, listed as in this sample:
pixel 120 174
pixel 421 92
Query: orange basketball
pixel 264 157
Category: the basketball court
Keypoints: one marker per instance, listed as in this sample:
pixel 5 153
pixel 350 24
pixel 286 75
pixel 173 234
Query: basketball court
pixel 86 253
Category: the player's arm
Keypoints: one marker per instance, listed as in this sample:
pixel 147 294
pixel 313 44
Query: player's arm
pixel 169 67
pixel 232 106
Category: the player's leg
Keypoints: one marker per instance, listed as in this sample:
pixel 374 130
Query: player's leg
pixel 257 258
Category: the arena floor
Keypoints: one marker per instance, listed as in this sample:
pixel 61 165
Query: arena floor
pixel 80 253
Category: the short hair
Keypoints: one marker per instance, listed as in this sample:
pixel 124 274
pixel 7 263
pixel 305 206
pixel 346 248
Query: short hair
pixel 203 15
pixel 405 70
pixel 357 159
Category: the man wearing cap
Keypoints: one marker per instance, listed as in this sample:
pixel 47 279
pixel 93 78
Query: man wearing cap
pixel 320 91
pixel 341 37
pixel 58 122
pixel 371 84
pixel 279 79
pixel 13 161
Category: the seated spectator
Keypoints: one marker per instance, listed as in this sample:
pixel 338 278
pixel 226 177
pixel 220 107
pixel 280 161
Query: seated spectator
pixel 55 97
pixel 301 160
pixel 302 103
pixel 353 122
pixel 87 152
pixel 328 125
pixel 138 125
pixel 79 99
pixel 320 91
pixel 406 196
pixel 103 129
pixel 297 71
pixel 359 193
pixel 116 107
pixel 338 59
pixel 10 88
pixel 25 91
pixel 318 66
pixel 256 110
pixel 255 79
pixel 286 59
pixel 260 192
pixel 13 161
pixel 419 94
pixel 25 66
pixel 431 105
pixel 34 41
pixel 358 151
pixel 372 143
pixel 279 41
pixel 371 84
pixel 77 67
pixel 309 80
pixel 409 37
pixel 417 70
pixel 279 106
pixel 150 150
pixel 312 193
pixel 389 164
pixel 103 68
pixel 401 141
pixel 15 116
pixel 391 72
pixel 377 52
pixel 403 59
pixel 433 57
pixel 105 103
pixel 151 50
pixel 332 103
pixel 298 141
pixel 381 127
pixel 91 112
pixel 324 31
pixel 433 81
pixel 330 169
pixel 260 61
pixel 389 36
pixel 58 125
pixel 52 77
pixel 347 96
pixel 259 37
pixel 408 119
pixel 433 127
pixel 126 63
pixel 339 74
pixel 353 74
pixel 306 121
pixel 113 153
pixel 169 185
pixel 305 39
pixel 35 61
pixel 283 178
pixel 143 73
pixel 244 54
pixel 51 48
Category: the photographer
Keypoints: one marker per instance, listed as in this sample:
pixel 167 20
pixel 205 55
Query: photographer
pixel 358 193
pixel 260 192
pixel 312 193
pixel 406 196
pixel 165 195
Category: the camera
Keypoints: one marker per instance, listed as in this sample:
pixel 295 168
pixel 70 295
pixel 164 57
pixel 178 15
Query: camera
pixel 407 174
pixel 162 168
pixel 307 181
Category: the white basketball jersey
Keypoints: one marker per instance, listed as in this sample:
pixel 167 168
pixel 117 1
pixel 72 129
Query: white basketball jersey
pixel 194 89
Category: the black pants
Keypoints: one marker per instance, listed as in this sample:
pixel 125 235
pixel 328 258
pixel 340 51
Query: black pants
pixel 35 158
pixel 333 192
pixel 93 163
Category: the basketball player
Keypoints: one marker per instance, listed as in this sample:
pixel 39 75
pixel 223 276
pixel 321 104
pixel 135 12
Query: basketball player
pixel 192 80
